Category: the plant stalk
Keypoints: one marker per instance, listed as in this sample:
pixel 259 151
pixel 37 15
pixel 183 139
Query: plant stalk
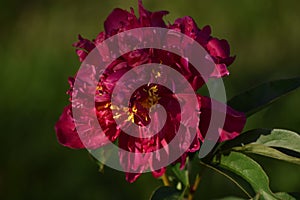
pixel 165 180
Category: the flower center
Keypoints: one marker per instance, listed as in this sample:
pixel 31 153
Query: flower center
pixel 152 97
pixel 139 113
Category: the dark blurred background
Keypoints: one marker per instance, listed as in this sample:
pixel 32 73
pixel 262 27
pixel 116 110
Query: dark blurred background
pixel 37 58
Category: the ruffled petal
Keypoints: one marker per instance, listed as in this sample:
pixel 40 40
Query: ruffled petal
pixel 83 47
pixel 85 44
pixel 153 19
pixel 66 132
pixel 220 71
pixel 81 54
pixel 100 38
pixel 131 177
pixel 119 20
pixel 182 161
pixel 187 26
pixel 233 124
pixel 159 173
pixel 203 35
pixel 218 48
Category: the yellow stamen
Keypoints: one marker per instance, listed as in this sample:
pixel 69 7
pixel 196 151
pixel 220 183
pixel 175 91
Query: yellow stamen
pixel 117 116
pixel 152 98
pixel 134 109
pixel 131 117
pixel 100 90
pixel 114 107
pixel 103 106
pixel 157 75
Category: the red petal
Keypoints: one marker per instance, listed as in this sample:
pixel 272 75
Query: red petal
pixel 182 161
pixel 131 177
pixel 81 54
pixel 218 48
pixel 84 44
pixel 204 35
pixel 187 26
pixel 154 19
pixel 220 71
pixel 66 132
pixel 117 20
pixel 234 120
pixel 158 173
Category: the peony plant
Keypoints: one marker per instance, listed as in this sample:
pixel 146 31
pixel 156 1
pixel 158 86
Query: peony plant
pixel 230 153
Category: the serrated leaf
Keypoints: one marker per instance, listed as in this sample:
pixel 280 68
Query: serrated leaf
pixel 281 138
pixel 248 169
pixel 268 152
pixel 262 95
pixel 165 193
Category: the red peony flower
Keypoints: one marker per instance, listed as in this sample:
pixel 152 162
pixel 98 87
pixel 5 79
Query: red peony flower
pixel 146 96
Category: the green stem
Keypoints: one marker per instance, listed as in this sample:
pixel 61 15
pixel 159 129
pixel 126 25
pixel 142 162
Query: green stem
pixel 165 180
pixel 194 187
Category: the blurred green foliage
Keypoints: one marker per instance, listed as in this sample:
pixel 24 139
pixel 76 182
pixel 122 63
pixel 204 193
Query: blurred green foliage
pixel 37 58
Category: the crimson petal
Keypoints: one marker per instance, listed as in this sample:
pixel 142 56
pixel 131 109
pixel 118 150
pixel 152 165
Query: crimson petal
pixel 234 120
pixel 66 132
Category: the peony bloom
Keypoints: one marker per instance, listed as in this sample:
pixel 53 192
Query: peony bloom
pixel 147 96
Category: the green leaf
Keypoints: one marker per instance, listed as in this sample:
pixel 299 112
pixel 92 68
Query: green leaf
pixel 244 138
pixel 281 138
pixel 165 193
pixel 181 175
pixel 265 196
pixel 285 196
pixel 231 198
pixel 277 196
pixel 269 137
pixel 268 152
pixel 248 169
pixel 262 95
pixel 234 178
